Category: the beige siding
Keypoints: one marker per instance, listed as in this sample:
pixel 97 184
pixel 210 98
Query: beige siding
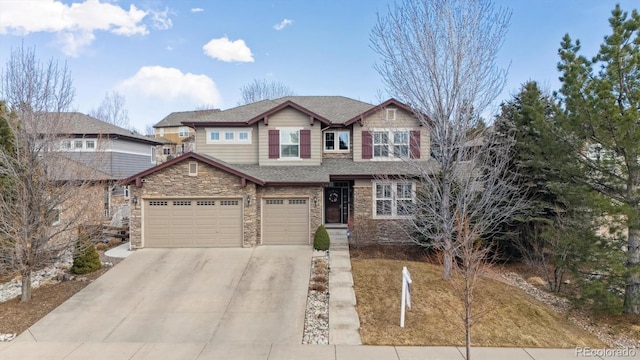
pixel 404 120
pixel 173 134
pixel 290 118
pixel 231 153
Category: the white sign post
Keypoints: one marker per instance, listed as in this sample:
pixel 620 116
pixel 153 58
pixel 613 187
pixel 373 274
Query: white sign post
pixel 406 293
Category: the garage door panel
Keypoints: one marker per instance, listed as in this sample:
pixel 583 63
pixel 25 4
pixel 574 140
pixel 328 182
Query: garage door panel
pixel 285 221
pixel 193 223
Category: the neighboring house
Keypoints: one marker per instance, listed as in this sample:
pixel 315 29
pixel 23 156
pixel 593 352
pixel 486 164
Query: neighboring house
pixel 177 137
pixel 271 172
pixel 115 153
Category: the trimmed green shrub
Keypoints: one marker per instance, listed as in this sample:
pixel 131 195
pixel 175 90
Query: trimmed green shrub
pixel 86 258
pixel 321 239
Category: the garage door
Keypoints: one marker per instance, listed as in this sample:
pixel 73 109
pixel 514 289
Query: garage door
pixel 285 222
pixel 193 223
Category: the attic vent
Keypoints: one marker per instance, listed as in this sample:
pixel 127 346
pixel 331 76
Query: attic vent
pixel 193 168
pixel 391 114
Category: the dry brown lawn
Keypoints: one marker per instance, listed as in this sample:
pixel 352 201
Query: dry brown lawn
pixel 511 318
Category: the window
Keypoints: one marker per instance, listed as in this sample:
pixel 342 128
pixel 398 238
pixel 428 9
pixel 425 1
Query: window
pixel 161 131
pixel 391 114
pixel 77 144
pixel 393 199
pixel 153 154
pixel 54 216
pixel 380 144
pixel 126 192
pixel 90 144
pixel 336 141
pixel 183 131
pixel 387 144
pixel 66 144
pixel 193 168
pixel 289 143
pixel 228 136
pixel 243 136
pixel 166 151
pixel 214 136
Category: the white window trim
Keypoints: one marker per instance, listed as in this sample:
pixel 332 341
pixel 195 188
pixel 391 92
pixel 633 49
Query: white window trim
pixel 288 158
pixel 84 142
pixel 336 140
pixel 182 133
pixel 393 112
pixel 394 199
pixel 222 136
pixel 154 155
pixel 391 156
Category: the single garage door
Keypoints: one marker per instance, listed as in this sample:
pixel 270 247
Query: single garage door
pixel 193 223
pixel 285 222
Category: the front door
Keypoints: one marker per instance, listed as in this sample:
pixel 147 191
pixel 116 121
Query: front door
pixel 333 205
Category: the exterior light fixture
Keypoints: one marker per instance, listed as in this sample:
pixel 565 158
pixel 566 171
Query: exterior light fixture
pixel 315 200
pixel 134 201
pixel 249 199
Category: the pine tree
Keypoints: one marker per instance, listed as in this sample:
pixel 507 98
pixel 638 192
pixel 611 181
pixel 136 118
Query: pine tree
pixel 601 97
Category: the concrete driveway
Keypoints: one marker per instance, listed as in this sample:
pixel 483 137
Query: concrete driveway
pixel 216 296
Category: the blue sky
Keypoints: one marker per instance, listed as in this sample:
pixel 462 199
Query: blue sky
pixel 166 56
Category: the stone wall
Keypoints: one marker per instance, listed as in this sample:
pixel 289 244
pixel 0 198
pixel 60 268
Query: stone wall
pixel 175 182
pixel 310 192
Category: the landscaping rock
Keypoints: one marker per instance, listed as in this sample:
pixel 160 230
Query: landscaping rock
pixel 316 322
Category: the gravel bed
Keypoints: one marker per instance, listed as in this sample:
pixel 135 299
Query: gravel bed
pixel 316 321
pixel 563 306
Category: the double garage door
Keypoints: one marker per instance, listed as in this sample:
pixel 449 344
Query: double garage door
pixel 193 223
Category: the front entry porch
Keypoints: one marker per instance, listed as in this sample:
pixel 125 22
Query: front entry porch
pixel 337 202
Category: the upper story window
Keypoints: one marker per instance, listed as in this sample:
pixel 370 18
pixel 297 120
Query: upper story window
pixel 336 141
pixel 391 114
pixel 393 199
pixel 228 136
pixel 390 143
pixel 289 143
pixel 66 144
pixel 78 145
pixel 161 131
pixel 183 131
pixel 90 144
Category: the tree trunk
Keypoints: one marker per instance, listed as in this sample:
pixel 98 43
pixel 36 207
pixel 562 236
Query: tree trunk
pixel 447 260
pixel 632 283
pixel 467 313
pixel 26 286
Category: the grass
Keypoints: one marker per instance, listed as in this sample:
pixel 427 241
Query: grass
pixel 511 317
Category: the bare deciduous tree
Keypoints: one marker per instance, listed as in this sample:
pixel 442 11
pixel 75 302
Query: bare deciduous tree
pixel 263 90
pixel 439 57
pixel 45 194
pixel 113 110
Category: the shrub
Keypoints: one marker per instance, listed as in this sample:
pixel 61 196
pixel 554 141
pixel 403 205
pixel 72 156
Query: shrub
pixel 321 239
pixel 86 258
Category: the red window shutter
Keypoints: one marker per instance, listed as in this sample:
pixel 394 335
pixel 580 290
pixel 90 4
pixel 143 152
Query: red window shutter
pixel 305 144
pixel 414 144
pixel 367 145
pixel 274 144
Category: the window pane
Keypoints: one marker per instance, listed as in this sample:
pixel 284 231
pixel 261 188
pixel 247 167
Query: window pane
pixel 214 136
pixel 401 150
pixel 404 191
pixel 244 136
pixel 381 150
pixel 228 136
pixel 77 144
pixel 380 137
pixel 383 191
pixel 404 207
pixel 344 140
pixel 400 137
pixel 91 144
pixel 329 141
pixel 289 151
pixel 383 207
pixel 66 144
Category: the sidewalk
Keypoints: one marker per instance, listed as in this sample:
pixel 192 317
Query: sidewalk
pixel 201 351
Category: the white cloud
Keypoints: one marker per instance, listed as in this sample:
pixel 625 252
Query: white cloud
pixel 197 10
pixel 161 19
pixel 226 50
pixel 284 23
pixel 169 48
pixel 171 84
pixel 75 23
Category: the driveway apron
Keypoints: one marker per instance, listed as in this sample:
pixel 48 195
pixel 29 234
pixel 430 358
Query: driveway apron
pixel 218 296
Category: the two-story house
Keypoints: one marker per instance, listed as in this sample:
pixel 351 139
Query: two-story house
pixel 177 137
pixel 271 172
pixel 114 152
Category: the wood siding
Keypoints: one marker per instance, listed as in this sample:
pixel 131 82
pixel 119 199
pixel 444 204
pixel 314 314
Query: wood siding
pixel 231 153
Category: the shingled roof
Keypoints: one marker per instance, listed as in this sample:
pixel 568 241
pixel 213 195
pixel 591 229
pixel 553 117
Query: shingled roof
pixel 178 117
pixel 75 123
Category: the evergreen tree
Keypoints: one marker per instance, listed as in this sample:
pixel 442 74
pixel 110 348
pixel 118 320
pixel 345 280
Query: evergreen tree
pixel 603 114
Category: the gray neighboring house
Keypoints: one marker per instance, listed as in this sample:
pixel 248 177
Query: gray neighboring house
pixel 115 152
pixel 272 171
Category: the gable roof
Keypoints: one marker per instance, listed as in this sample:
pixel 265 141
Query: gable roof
pixel 219 164
pixel 177 118
pixel 327 109
pixel 75 123
pixel 374 109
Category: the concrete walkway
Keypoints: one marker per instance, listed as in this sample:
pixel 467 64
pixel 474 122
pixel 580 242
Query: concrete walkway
pixel 203 350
